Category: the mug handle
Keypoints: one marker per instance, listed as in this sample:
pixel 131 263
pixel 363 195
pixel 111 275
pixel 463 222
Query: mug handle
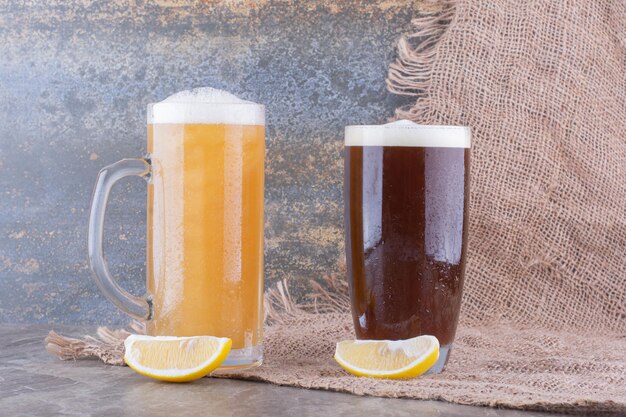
pixel 137 307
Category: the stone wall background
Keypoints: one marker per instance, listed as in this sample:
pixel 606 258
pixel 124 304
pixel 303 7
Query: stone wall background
pixel 75 78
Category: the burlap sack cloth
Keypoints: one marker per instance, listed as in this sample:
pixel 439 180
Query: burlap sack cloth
pixel 543 86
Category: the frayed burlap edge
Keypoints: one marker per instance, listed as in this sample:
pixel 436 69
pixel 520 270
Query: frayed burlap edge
pixel 107 345
pixel 410 75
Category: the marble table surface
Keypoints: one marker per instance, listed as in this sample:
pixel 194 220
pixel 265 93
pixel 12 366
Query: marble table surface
pixel 32 383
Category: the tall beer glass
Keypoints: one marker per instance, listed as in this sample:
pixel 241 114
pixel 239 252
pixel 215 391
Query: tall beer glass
pixel 205 221
pixel 406 208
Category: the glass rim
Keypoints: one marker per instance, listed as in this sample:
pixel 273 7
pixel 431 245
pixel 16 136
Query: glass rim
pixel 202 104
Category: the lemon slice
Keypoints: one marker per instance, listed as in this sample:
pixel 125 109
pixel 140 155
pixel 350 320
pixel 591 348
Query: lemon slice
pixel 394 359
pixel 175 359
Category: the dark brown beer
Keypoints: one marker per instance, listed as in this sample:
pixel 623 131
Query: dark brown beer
pixel 406 231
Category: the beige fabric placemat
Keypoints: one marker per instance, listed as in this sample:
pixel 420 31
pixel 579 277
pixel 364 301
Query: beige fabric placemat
pixel 498 365
pixel 542 84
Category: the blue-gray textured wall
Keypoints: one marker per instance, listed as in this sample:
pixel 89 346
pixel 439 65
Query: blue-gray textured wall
pixel 75 78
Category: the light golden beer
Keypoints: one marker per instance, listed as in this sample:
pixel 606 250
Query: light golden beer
pixel 205 219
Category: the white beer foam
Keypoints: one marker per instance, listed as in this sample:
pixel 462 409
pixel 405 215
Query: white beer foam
pixel 206 105
pixel 408 133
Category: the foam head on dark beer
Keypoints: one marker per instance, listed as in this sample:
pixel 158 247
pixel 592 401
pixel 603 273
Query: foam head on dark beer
pixel 408 133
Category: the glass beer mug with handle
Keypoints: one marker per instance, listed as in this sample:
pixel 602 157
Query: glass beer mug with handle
pixel 406 213
pixel 204 170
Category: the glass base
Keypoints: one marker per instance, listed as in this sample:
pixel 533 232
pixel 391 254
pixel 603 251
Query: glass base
pixel 240 359
pixel 444 354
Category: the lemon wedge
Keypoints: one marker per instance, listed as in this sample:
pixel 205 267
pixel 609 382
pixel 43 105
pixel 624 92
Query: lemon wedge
pixel 393 359
pixel 175 359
